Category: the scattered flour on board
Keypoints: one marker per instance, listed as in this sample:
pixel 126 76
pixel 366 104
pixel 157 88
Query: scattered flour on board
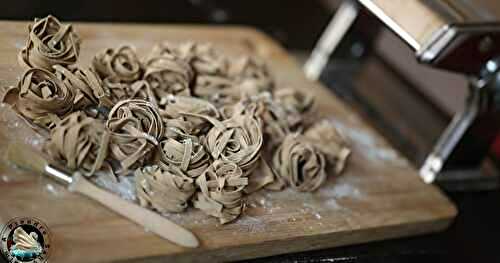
pixel 368 144
pixel 125 187
pixel 190 217
pixel 252 224
pixel 343 190
pixel 51 189
pixel 18 128
pixel 317 215
pixel 269 201
pixel 332 204
pixel 57 190
pixel 19 44
pixel 35 140
pixel 339 191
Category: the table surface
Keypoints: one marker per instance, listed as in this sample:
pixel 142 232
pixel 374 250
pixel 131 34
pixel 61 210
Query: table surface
pixel 471 238
pixel 380 195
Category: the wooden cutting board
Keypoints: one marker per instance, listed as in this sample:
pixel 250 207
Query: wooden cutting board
pixel 379 196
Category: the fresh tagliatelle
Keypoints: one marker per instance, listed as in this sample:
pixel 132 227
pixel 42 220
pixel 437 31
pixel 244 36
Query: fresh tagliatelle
pixel 221 192
pixel 41 97
pixel 50 43
pixel 196 128
pixel 164 189
pixel 80 143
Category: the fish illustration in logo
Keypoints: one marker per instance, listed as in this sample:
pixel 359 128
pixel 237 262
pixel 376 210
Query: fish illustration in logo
pixel 26 246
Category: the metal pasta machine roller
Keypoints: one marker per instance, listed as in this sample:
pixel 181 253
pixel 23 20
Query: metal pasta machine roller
pixel 454 35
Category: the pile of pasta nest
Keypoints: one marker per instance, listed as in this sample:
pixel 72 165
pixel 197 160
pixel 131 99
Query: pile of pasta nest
pixel 193 126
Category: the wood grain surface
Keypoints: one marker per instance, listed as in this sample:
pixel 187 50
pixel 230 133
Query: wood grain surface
pixel 379 196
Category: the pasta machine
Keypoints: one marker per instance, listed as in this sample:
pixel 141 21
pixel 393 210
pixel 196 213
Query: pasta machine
pixel 454 35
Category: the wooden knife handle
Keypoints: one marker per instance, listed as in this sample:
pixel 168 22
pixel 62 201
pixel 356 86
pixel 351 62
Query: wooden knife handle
pixel 143 217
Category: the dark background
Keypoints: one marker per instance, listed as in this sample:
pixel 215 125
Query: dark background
pixel 295 24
